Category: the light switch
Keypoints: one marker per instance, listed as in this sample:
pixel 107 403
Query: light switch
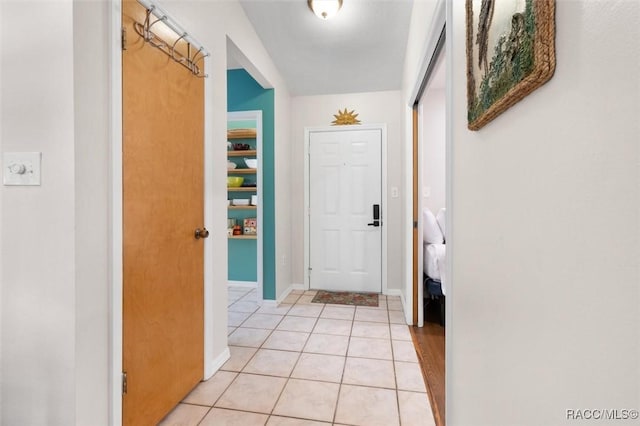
pixel 394 192
pixel 21 168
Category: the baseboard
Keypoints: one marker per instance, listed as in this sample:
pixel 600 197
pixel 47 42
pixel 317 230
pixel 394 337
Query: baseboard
pixel 215 364
pixel 284 295
pixel 408 313
pixel 247 284
pixel 295 286
pixel 278 301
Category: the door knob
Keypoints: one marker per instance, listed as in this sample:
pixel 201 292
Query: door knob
pixel 201 233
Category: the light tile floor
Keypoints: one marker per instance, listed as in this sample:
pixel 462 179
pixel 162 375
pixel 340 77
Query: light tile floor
pixel 306 364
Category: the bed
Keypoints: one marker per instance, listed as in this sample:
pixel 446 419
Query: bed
pixel 434 260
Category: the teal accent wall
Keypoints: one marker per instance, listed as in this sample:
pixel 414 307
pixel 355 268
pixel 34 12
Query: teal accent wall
pixel 242 124
pixel 245 94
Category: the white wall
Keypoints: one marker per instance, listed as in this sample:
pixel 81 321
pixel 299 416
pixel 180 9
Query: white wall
pixel 92 168
pixel 284 235
pixel 1 238
pixel 54 289
pixel 433 144
pixel 38 236
pixel 373 108
pixel 546 228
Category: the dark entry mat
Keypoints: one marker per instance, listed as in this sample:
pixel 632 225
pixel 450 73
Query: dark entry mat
pixel 346 298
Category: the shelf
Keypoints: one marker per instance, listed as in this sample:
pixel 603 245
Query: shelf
pixel 242 189
pixel 242 171
pixel 243 237
pixel 242 153
pixel 242 207
pixel 241 134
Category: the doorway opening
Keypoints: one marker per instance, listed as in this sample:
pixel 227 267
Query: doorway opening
pixel 244 226
pixel 430 199
pixel 251 153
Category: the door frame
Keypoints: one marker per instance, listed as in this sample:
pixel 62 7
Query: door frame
pixel 436 42
pixel 443 14
pixel 417 304
pixel 116 211
pixel 257 116
pixel 383 207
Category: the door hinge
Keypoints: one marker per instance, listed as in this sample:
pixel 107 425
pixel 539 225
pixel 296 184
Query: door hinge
pixel 124 382
pixel 415 224
pixel 123 38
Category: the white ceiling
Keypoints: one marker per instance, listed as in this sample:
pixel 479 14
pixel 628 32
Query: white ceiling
pixel 362 49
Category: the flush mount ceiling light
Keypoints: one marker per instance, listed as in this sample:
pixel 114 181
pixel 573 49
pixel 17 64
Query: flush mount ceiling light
pixel 325 9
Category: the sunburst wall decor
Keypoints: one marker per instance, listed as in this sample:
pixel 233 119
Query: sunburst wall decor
pixel 345 118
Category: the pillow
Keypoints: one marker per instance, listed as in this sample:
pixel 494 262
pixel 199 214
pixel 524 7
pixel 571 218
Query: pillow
pixel 431 232
pixel 440 218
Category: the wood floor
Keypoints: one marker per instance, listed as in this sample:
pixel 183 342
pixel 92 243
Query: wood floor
pixel 429 341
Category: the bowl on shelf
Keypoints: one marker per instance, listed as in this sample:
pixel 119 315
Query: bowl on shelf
pixel 241 147
pixel 234 181
pixel 231 165
pixel 251 163
pixel 240 202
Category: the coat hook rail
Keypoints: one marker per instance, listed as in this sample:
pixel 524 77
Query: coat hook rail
pixel 197 59
pixel 144 30
pixel 173 50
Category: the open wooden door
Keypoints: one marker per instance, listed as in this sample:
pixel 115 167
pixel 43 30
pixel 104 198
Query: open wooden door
pixel 163 204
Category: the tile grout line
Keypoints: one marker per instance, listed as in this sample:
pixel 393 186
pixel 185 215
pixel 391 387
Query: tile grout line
pixel 288 379
pixel 345 357
pixel 227 387
pixel 395 372
pixel 219 396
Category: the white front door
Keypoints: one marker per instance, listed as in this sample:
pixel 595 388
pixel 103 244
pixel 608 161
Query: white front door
pixel 345 189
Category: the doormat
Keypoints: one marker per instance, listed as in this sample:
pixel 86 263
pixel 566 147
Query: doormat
pixel 346 298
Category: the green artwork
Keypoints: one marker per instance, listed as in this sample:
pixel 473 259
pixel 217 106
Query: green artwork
pixel 509 31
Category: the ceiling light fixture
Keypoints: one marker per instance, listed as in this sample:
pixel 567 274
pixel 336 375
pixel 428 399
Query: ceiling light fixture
pixel 325 9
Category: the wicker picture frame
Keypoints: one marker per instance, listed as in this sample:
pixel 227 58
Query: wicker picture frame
pixel 510 53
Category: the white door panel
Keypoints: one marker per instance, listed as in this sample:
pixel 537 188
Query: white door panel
pixel 344 184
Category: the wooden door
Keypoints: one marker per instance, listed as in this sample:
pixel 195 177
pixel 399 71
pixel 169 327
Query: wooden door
pixel 163 204
pixel 345 182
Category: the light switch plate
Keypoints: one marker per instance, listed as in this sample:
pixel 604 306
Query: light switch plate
pixel 21 168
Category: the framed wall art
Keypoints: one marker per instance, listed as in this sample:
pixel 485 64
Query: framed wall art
pixel 510 53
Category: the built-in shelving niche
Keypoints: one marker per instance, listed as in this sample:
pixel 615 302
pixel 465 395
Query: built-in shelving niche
pixel 245 251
